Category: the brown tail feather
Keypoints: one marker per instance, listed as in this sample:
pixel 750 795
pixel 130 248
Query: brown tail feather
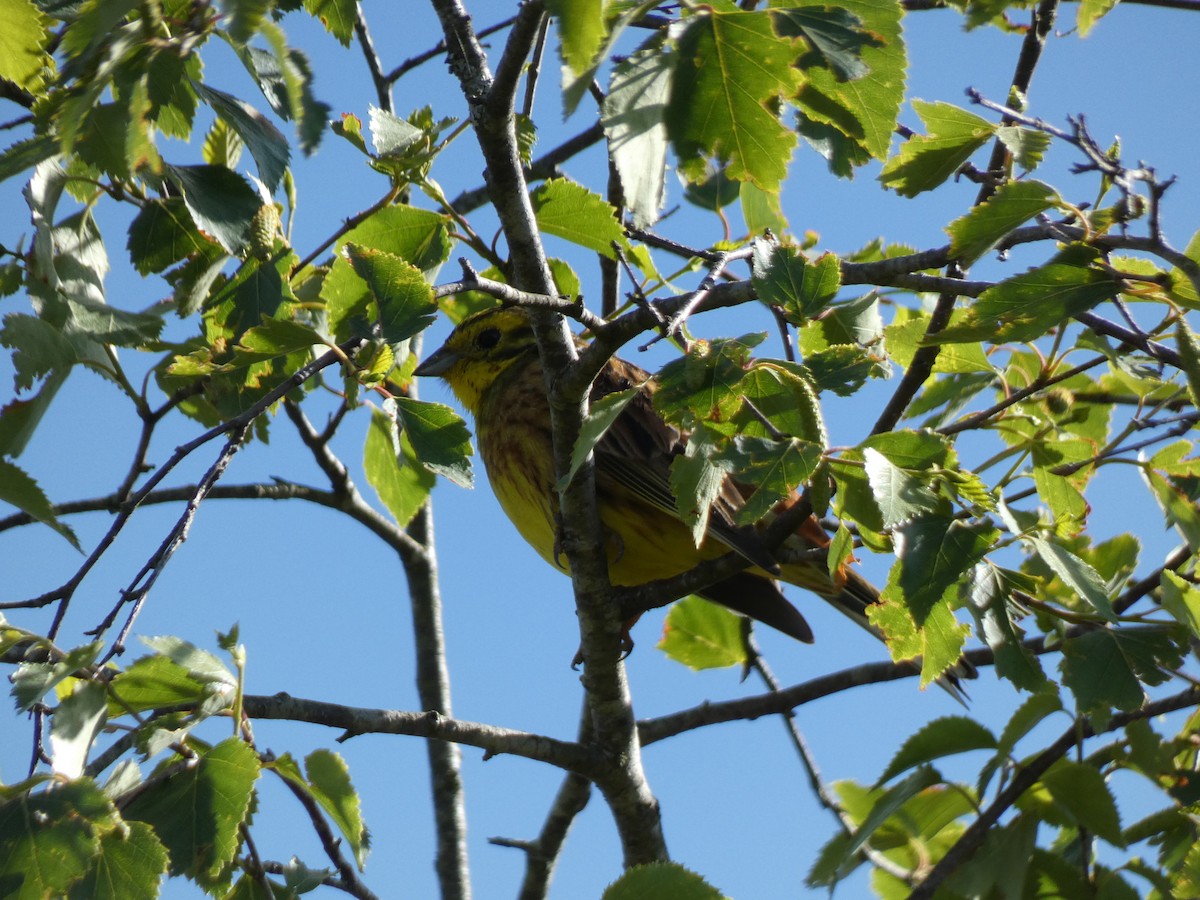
pixel 760 599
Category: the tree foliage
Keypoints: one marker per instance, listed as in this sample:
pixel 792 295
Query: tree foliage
pixel 1013 400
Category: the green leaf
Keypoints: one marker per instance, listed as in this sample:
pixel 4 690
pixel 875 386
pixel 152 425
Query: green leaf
pixel 901 496
pixel 904 336
pixel 1080 577
pixel 1181 599
pixel 696 481
pixel 39 349
pixel 581 30
pixel 702 635
pixel 855 321
pixel 275 338
pixel 18 158
pixel 418 236
pixel 197 812
pixel 329 782
pixel 162 234
pixel 774 468
pixel 1025 307
pixel 220 201
pixel 784 277
pixel 600 417
pixel 1181 511
pixel 201 665
pixel 255 292
pixel 837 36
pixel 941 737
pixel 284 76
pixel 49 838
pixel 245 17
pixel 661 879
pixel 633 120
pixel 785 396
pixel 1189 353
pixel 1090 12
pixel 336 15
pixel 1099 674
pixel 399 479
pixel 77 721
pixel 570 211
pixel 439 438
pixel 130 865
pixel 1082 790
pixel 704 385
pixel 154 682
pixel 21 43
pixel 988 594
pixel 404 297
pixel 933 553
pixel 849 122
pixel 926 161
pixel 264 141
pixel 222 146
pixel 890 803
pixel 1027 145
pixel 20 490
pixel 730 66
pixel 1012 204
pixel 31 681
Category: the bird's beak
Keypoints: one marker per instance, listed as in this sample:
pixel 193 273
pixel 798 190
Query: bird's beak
pixel 439 363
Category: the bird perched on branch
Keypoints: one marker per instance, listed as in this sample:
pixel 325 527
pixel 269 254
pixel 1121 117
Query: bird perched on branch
pixel 491 363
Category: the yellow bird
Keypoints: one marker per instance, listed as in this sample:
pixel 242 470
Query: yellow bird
pixel 491 363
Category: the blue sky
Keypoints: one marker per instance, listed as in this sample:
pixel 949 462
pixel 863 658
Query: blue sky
pixel 323 606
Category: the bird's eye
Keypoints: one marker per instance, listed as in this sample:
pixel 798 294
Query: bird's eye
pixel 488 338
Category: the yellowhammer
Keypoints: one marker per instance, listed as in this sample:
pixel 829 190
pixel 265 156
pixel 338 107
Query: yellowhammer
pixel 491 363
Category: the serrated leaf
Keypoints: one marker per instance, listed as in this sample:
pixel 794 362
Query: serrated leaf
pixel 581 30
pixel 941 737
pixel 284 76
pixel 1076 574
pixel 696 481
pixel 391 135
pixel 774 468
pixel 601 415
pixel 162 234
pixel 784 277
pixel 1090 12
pixel 336 15
pixel 329 781
pixel 153 682
pixel 901 496
pixel 20 490
pixel 1181 599
pixel 198 811
pixel 1025 307
pixel 1098 673
pixel 264 141
pixel 1179 508
pixel 439 438
pixel 785 396
pixel 730 66
pixel 633 120
pixel 837 35
pixel 988 594
pixel 890 802
pixel 418 236
pixel 933 553
pixel 572 212
pixel 851 122
pixel 278 337
pixel 1010 205
pixel 662 879
pixel 1082 789
pixel 404 297
pixel 50 837
pixel 221 202
pixel 1027 145
pixel 702 635
pixel 32 681
pixel 130 865
pixel 926 161
pixel 401 483
pixel 21 43
pixel 245 17
pixel 199 664
pixel 77 721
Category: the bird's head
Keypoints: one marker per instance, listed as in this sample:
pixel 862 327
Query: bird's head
pixel 482 347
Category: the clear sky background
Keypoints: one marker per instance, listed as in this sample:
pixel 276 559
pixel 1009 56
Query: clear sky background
pixel 323 607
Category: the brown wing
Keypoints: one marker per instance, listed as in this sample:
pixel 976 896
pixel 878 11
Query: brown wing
pixel 637 451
